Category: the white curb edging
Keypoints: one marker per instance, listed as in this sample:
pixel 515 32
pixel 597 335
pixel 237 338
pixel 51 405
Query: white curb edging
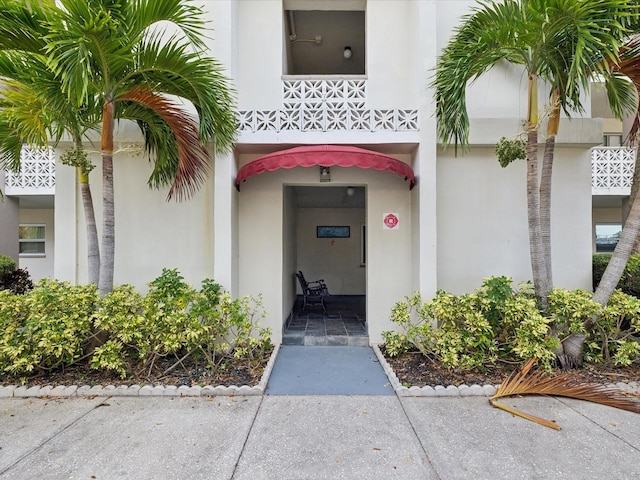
pixel 632 388
pixel 47 391
pixel 437 391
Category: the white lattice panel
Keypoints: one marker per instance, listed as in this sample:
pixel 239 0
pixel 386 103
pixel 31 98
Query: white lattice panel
pixel 327 105
pixel 612 169
pixel 37 172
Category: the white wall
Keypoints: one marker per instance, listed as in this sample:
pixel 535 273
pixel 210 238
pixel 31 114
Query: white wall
pixel 336 260
pixel 289 252
pixel 391 30
pixel 482 220
pixel 260 246
pixel 260 54
pixel 151 232
pixel 40 267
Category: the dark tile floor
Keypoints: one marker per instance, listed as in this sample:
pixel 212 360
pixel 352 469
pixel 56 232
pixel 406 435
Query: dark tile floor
pixel 344 323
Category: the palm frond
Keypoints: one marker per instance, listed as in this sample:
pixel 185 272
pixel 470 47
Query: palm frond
pixel 86 46
pixel 22 25
pixel 194 162
pixel 170 67
pixel 487 36
pixel 10 147
pixel 530 382
pixel 144 14
pixel 562 42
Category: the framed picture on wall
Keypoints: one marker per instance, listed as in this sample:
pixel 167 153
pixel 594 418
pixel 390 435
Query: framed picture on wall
pixel 323 231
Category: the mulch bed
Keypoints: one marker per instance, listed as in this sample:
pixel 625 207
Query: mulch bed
pixel 235 372
pixel 414 369
pixel 411 368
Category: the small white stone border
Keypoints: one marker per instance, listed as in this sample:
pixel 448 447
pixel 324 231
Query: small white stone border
pixel 632 388
pixel 437 391
pixel 141 391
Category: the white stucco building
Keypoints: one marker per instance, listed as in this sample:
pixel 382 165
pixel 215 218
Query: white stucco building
pixel 367 114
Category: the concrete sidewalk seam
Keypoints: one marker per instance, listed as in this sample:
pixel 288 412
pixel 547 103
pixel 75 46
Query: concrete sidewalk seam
pixel 413 429
pixel 52 436
pixel 566 404
pixel 246 438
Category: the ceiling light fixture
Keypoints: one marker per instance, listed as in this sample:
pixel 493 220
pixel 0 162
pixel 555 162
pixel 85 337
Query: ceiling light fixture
pixel 347 52
pixel 325 174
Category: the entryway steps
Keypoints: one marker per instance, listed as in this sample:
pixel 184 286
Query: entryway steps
pixel 331 330
pixel 344 324
pixel 296 338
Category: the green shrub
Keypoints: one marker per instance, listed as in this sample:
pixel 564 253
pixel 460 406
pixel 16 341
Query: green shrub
pixel 175 322
pixel 570 309
pixel 121 315
pixel 57 324
pixel 47 328
pixel 616 337
pixel 495 322
pixel 7 265
pixel 629 281
pixel 18 281
pixel 473 330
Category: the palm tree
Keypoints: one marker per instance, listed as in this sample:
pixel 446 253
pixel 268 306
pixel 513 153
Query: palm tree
pixel 558 41
pixel 114 54
pixel 34 111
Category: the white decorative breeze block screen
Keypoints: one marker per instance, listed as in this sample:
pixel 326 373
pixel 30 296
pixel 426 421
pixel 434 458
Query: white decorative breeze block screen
pixel 327 105
pixel 37 172
pixel 612 169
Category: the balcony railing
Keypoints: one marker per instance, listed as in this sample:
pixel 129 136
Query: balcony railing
pixel 323 105
pixel 612 170
pixel 37 174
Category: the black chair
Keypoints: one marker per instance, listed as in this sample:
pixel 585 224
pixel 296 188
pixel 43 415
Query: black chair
pixel 313 292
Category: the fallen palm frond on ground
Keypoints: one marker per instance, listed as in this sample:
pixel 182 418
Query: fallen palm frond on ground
pixel 526 382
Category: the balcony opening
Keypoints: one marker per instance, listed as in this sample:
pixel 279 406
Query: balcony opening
pixel 607 236
pixel 324 38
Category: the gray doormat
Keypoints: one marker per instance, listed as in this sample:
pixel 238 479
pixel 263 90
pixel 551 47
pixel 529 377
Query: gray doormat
pixel 300 370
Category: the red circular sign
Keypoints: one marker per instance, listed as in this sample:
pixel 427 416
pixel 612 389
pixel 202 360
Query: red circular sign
pixel 391 221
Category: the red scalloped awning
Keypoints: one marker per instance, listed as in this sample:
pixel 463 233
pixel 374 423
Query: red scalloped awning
pixel 325 156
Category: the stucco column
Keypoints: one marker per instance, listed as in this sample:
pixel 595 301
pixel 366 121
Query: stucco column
pixel 66 224
pixel 225 224
pixel 424 195
pixel 9 209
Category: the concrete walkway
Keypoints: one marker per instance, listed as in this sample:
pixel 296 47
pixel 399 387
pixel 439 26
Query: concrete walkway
pixel 312 437
pixel 327 371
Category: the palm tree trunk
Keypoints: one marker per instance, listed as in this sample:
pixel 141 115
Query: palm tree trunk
pixel 538 265
pixel 93 248
pixel 545 183
pixel 545 205
pixel 635 185
pixel 107 257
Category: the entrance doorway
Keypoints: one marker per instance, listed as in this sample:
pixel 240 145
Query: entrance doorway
pixel 325 238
